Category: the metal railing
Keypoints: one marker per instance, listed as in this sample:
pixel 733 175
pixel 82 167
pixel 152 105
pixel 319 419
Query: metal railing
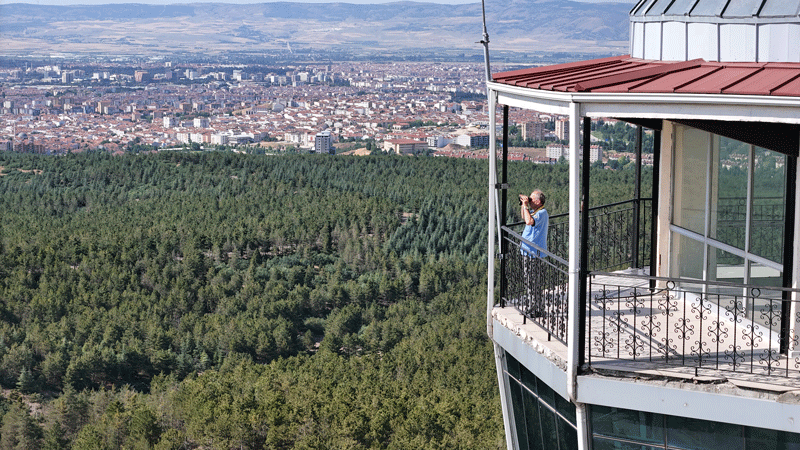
pixel 536 286
pixel 688 323
pixel 612 235
pixel 766 225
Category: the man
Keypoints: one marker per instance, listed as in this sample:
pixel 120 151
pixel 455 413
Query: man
pixel 536 221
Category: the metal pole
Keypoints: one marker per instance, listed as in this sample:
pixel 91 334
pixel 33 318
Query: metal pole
pixel 504 208
pixel 485 42
pixel 788 255
pixel 654 206
pixel 637 194
pixel 584 262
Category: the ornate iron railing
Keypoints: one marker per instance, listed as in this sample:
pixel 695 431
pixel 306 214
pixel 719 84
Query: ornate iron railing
pixel 537 287
pixel 612 235
pixel 688 323
pixel 767 224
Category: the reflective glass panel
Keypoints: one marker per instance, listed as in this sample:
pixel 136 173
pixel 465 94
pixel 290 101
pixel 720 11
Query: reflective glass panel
pixel 528 379
pixel 568 435
pixel 534 431
pixel 725 266
pixel 687 257
pixel 692 434
pixel 604 444
pixel 517 403
pixel 757 438
pixel 628 424
pixel 689 184
pixel 729 204
pixel 769 204
pixel 549 429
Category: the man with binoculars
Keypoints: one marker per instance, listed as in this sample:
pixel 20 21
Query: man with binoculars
pixel 536 221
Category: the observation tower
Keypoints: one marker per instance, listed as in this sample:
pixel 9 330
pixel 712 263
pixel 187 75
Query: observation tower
pixel 670 321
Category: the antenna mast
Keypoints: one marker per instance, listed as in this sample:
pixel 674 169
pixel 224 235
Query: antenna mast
pixel 485 43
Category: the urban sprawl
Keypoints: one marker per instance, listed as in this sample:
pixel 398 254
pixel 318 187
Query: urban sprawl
pixel 404 108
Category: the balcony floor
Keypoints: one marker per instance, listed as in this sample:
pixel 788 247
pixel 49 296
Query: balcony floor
pixel 662 351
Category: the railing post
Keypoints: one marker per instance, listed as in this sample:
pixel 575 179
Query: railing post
pixel 637 195
pixel 654 205
pixel 788 255
pixel 503 209
pixel 584 230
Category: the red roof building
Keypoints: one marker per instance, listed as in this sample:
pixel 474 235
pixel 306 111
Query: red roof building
pixel 699 279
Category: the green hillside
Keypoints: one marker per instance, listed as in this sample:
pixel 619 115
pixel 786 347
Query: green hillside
pixel 216 300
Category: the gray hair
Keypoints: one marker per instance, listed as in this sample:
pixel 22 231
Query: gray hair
pixel 539 196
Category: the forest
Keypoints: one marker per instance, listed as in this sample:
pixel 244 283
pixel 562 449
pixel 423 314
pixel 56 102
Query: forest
pixel 183 300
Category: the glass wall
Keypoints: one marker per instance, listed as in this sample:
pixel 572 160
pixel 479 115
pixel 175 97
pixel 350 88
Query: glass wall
pixel 543 419
pixel 729 203
pixel 624 429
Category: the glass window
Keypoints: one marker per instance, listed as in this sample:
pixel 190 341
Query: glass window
pixel 758 438
pixel 568 436
pixel 604 444
pixel 769 200
pixel 538 426
pixel 533 426
pixel 730 201
pixel 691 170
pixel 517 404
pixel 745 188
pixel 628 424
pixel 724 266
pixel 513 366
pixel 529 381
pixel 687 257
pixel 549 429
pixel 692 434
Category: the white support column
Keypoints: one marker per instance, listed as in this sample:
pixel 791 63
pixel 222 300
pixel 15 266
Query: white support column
pixel 492 209
pixel 573 333
pixel 508 419
pixel 573 327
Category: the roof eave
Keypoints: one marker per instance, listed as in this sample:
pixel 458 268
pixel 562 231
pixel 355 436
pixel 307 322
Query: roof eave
pixel 758 108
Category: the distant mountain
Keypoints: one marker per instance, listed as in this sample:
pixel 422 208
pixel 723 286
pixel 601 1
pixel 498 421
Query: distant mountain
pixel 532 26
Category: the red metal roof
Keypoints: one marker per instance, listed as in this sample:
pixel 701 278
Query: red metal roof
pixel 623 74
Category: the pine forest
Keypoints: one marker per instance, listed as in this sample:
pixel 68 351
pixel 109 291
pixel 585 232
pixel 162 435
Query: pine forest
pixel 215 300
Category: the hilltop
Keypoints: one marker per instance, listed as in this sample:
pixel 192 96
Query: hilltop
pixel 530 26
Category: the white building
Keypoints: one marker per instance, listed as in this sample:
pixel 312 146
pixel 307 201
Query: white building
pixel 532 130
pixel 562 129
pixel 473 140
pixel 682 331
pixel 323 143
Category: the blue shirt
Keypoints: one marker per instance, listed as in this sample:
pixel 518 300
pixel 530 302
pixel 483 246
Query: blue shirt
pixel 536 233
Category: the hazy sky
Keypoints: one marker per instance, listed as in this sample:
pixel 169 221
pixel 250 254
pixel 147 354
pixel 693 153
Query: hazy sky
pixel 168 2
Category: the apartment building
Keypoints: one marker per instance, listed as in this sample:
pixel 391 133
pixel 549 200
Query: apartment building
pixel 404 146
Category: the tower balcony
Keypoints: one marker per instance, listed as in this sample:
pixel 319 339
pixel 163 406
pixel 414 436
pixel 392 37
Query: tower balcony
pixel 631 321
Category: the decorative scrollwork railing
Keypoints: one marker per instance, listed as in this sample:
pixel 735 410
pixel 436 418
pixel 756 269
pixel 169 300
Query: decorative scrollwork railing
pixel 688 323
pixel 536 286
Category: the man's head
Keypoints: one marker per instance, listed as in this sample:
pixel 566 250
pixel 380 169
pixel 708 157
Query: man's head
pixel 537 197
